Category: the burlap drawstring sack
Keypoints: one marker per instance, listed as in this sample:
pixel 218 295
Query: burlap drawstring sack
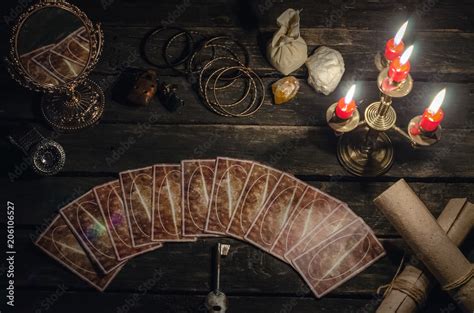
pixel 287 51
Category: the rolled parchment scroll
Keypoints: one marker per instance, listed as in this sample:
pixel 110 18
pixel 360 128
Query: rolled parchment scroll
pixel 430 244
pixel 409 289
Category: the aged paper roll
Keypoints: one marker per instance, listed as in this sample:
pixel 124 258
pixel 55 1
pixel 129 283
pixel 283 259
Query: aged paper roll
pixel 413 221
pixel 411 287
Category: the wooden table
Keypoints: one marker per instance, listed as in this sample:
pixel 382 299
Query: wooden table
pixel 293 137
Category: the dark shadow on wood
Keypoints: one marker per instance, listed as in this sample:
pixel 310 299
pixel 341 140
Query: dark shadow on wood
pixel 263 39
pixel 246 14
pixel 124 84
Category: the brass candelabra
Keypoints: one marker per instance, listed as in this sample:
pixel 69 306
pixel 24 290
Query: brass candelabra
pixel 364 147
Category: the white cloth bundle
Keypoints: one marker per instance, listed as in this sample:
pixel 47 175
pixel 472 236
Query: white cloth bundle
pixel 287 51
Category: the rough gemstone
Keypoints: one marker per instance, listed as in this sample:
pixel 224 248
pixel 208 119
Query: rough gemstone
pixel 285 89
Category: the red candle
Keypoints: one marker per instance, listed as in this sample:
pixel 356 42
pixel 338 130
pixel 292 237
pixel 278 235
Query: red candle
pixel 433 115
pixel 400 67
pixel 395 46
pixel 346 106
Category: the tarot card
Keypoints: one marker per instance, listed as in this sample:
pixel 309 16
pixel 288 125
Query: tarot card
pixel 72 49
pixel 339 258
pixel 61 68
pixel 336 220
pixel 197 179
pixel 313 207
pixel 86 221
pixel 113 211
pixel 61 244
pixel 275 212
pixel 259 185
pixel 137 189
pixel 166 214
pixel 230 176
pixel 84 35
pixel 25 57
pixel 36 71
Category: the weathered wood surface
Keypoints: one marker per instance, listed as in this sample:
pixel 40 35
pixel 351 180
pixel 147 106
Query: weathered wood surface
pixel 437 55
pixel 292 137
pixel 71 301
pixel 384 14
pixel 245 271
pixel 308 109
pixel 38 206
pixel 302 150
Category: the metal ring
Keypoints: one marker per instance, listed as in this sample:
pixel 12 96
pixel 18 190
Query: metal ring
pixel 246 61
pixel 249 86
pixel 156 32
pixel 209 104
pixel 196 52
pixel 250 72
pixel 216 103
pixel 224 108
pixel 184 59
pixel 248 111
pixel 208 64
pixel 238 43
pixel 214 106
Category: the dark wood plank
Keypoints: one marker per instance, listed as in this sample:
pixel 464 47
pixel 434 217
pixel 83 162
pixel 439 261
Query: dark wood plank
pixel 384 14
pixel 308 109
pixel 439 56
pixel 292 137
pixel 114 302
pixel 122 52
pixel 186 267
pixel 108 302
pixel 38 200
pixel 374 15
pixel 303 150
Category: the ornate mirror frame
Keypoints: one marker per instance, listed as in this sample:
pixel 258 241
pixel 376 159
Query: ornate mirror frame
pixel 77 103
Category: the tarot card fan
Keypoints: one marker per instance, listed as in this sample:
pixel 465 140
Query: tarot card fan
pixel 318 235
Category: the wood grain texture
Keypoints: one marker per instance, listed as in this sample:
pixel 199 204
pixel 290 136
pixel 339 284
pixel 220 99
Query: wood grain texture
pixel 293 137
pixel 437 56
pixel 71 301
pixel 246 270
pixel 303 150
pixel 39 204
pixel 307 109
pixel 384 14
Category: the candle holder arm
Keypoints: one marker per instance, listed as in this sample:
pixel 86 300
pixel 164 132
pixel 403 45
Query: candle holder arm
pixel 405 135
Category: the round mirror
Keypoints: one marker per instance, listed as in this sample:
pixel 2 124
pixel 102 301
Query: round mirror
pixel 54 46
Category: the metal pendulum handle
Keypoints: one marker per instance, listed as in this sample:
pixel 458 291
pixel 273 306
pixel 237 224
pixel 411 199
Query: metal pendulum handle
pixel 217 274
pixel 221 250
pixel 216 300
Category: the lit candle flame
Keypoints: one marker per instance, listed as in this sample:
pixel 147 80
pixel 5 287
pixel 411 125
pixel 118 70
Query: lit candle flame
pixel 350 94
pixel 437 102
pixel 400 33
pixel 406 55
